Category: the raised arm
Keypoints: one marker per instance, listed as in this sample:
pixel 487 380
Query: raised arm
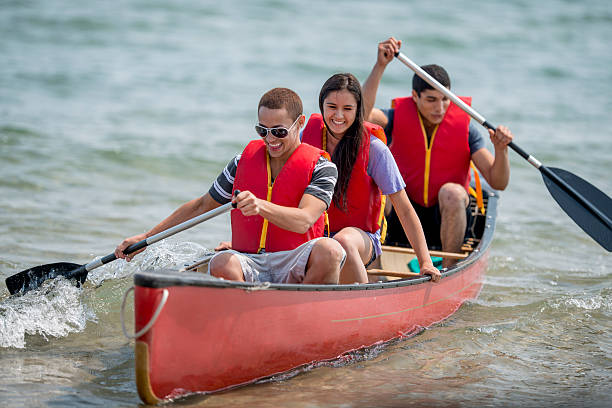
pixel 386 53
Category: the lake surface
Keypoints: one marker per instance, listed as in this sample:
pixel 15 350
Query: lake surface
pixel 112 114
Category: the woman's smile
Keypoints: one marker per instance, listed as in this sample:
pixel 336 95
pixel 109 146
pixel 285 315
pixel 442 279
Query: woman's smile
pixel 339 111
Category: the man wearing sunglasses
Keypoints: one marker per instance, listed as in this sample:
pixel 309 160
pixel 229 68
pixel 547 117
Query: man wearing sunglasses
pixel 285 187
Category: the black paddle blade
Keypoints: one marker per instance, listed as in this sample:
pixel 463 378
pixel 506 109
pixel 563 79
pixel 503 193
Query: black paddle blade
pixel 34 277
pixel 592 223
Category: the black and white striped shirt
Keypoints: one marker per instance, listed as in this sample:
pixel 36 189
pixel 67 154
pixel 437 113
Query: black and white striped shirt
pixel 322 183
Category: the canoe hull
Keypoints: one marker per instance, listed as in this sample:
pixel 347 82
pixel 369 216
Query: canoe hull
pixel 213 334
pixel 210 338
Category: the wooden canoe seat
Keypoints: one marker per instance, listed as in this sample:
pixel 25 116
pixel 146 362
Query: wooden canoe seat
pixel 410 251
pixel 394 261
pixel 395 274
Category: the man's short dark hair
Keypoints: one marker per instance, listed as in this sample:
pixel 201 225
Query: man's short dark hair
pixel 436 71
pixel 279 98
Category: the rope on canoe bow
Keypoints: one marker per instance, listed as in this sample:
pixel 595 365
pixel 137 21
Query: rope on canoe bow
pixel 153 318
pixel 263 286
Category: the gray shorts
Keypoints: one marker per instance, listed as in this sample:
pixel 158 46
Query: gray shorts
pixel 275 267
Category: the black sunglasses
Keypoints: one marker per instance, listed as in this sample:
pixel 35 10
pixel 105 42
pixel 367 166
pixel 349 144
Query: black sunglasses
pixel 278 132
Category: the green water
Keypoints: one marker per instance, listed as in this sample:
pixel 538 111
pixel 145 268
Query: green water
pixel 114 113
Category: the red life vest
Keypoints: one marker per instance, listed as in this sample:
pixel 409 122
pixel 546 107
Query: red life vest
pixel 426 168
pixel 362 195
pixel 252 234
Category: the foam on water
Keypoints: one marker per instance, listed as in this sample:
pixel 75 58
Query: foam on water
pixel 53 310
pixel 584 303
pixel 165 254
pixel 58 307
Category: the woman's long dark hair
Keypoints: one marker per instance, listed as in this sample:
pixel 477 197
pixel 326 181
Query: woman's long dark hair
pixel 346 151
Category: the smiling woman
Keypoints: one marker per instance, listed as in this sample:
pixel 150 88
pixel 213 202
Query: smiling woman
pixel 340 104
pixel 366 170
pixel 339 111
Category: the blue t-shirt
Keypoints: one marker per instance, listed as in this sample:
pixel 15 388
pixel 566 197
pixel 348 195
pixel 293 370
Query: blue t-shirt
pixel 383 169
pixel 475 139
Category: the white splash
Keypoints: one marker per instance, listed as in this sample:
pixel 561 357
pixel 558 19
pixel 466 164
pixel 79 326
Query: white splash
pixel 593 303
pixel 598 302
pixel 166 254
pixel 53 310
pixel 56 309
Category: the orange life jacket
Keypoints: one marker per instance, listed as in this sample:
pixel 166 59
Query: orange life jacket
pixel 253 234
pixel 362 195
pixel 426 168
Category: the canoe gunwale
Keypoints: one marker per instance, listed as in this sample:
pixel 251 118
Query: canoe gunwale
pixel 158 279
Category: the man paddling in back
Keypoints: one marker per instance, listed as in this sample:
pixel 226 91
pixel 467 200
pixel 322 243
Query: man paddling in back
pixel 278 225
pixel 433 142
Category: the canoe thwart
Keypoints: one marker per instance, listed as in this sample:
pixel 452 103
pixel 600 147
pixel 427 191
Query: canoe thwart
pixel 441 254
pixel 383 272
pixel 197 265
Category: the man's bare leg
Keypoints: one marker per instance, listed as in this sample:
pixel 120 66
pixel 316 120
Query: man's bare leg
pixel 226 266
pixel 453 201
pixel 324 262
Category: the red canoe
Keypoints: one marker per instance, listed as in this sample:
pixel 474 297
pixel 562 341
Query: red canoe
pixel 211 334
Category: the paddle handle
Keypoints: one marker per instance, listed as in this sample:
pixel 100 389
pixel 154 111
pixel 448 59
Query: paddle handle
pixel 481 119
pixel 152 239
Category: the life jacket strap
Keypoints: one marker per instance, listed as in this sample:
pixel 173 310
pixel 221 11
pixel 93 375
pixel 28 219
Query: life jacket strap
pixel 264 228
pixel 478 192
